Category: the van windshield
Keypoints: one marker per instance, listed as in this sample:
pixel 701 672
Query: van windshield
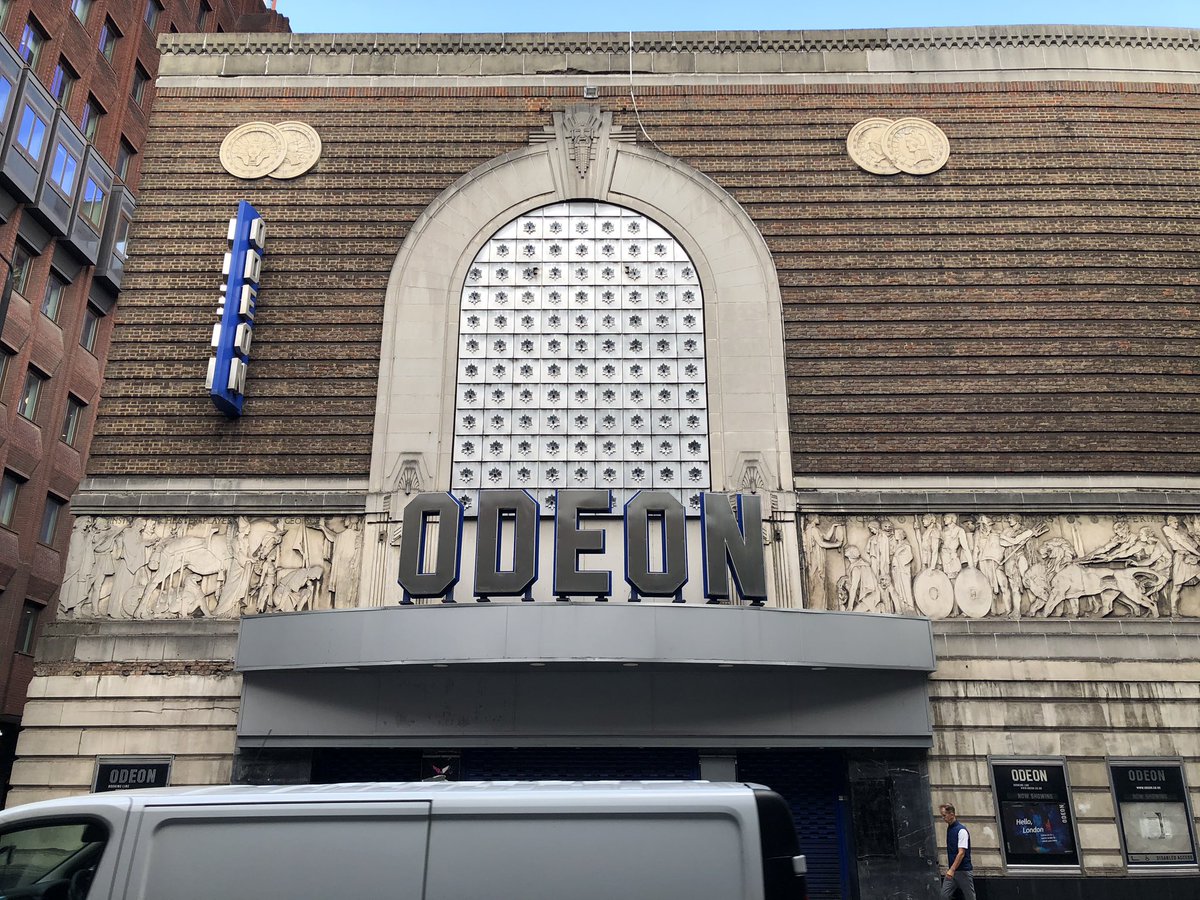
pixel 34 853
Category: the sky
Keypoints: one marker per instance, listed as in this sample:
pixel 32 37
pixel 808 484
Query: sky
pixel 704 15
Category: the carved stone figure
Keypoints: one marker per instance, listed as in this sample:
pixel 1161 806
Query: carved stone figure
pixel 1016 563
pixel 1185 559
pixel 817 543
pixel 879 554
pixel 1122 547
pixel 129 565
pixel 266 571
pixel 75 572
pixel 931 541
pixel 902 574
pixel 97 585
pixel 956 550
pixel 1071 582
pixel 862 588
pixel 345 560
pixel 1153 554
pixel 172 563
pixel 989 557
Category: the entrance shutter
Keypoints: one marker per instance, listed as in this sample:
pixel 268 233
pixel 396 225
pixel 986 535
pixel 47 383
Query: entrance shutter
pixel 579 764
pixel 810 781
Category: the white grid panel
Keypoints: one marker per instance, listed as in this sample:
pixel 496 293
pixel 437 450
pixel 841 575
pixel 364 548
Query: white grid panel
pixel 581 360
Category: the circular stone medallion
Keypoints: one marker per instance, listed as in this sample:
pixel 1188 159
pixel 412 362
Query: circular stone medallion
pixel 865 146
pixel 916 146
pixel 934 593
pixel 253 150
pixel 303 149
pixel 973 593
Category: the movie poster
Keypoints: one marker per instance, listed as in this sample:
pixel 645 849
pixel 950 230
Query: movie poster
pixel 1035 814
pixel 1152 808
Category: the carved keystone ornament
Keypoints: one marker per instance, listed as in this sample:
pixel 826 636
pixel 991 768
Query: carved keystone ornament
pixel 255 149
pixel 885 147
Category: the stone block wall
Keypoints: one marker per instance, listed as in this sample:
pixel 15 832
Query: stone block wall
pixel 1081 690
pixel 157 688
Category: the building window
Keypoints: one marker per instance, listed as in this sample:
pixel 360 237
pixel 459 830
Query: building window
pixel 22 265
pixel 33 39
pixel 71 420
pixel 28 628
pixel 141 78
pixel 56 289
pixel 5 9
pixel 93 112
pixel 109 35
pixel 50 517
pixel 27 407
pixel 91 329
pixel 153 11
pixel 203 15
pixel 10 488
pixel 63 170
pixel 63 82
pixel 6 356
pixel 81 8
pixel 121 243
pixel 602 298
pixel 31 133
pixel 125 155
pixel 6 89
pixel 92 205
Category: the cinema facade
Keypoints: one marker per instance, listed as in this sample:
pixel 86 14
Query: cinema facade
pixel 813 409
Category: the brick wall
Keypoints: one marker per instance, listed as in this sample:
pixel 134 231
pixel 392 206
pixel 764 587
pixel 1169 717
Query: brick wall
pixel 1029 308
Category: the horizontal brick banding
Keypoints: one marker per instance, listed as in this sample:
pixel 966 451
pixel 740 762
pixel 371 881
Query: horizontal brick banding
pixel 1029 308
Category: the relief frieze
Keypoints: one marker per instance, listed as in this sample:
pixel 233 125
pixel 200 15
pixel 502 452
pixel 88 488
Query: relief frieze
pixel 174 567
pixel 944 565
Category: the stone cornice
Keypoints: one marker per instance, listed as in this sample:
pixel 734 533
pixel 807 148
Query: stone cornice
pixel 891 56
pixel 1179 39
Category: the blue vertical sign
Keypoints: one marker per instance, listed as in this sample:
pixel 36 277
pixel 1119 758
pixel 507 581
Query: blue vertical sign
pixel 232 333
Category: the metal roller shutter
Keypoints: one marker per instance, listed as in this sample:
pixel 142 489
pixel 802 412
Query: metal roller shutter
pixel 579 764
pixel 335 766
pixel 811 782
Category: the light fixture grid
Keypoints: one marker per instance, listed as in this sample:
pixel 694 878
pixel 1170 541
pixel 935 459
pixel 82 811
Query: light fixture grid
pixel 581 360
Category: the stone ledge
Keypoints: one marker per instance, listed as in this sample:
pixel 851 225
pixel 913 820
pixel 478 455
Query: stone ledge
pixel 691 41
pixel 998 500
pixel 1112 53
pixel 219 496
pixel 1164 627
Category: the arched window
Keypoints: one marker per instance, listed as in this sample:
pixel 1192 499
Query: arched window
pixel 581 359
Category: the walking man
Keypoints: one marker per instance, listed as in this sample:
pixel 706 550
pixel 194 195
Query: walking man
pixel 958 855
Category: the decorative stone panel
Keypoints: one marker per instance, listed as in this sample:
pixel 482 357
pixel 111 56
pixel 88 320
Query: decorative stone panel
pixel 944 565
pixel 173 567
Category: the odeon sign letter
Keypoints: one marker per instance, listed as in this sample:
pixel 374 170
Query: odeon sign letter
pixel 731 545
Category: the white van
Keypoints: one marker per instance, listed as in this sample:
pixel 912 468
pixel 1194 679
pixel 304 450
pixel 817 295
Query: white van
pixel 422 841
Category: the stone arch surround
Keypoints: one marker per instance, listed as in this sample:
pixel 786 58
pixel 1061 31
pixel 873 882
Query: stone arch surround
pixel 412 448
pixel 742 300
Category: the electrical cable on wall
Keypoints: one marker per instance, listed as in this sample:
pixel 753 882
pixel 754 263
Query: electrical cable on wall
pixel 636 112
